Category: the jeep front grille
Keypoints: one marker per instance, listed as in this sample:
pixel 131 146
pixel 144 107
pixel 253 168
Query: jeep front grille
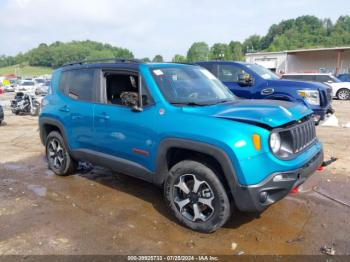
pixel 303 135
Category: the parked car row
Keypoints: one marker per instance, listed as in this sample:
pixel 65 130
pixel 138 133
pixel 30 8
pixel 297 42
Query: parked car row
pixel 31 85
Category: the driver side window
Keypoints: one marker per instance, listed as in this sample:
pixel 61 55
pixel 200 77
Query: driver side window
pixel 229 73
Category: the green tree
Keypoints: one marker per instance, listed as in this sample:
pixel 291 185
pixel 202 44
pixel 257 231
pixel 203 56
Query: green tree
pixel 179 59
pixel 236 50
pixel 158 59
pixel 252 44
pixel 146 60
pixel 220 51
pixel 199 51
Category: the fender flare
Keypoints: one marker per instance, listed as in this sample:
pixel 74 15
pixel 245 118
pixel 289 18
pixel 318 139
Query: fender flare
pixel 49 121
pixel 217 153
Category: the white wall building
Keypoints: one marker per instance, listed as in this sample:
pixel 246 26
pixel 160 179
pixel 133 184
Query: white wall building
pixel 334 60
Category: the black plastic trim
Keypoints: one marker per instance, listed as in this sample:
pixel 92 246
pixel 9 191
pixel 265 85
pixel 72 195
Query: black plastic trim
pixel 114 163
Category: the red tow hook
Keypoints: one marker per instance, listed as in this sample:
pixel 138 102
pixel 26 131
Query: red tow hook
pixel 295 190
pixel 320 168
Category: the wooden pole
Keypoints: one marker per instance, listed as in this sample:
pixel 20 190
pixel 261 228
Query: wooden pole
pixel 338 68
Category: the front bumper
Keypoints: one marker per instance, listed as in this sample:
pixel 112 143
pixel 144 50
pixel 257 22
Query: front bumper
pixel 1 114
pixel 321 113
pixel 258 197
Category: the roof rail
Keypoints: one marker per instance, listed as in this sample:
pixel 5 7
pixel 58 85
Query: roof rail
pixel 113 60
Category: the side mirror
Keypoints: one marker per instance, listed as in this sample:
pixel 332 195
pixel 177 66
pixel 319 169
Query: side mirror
pixel 245 80
pixel 136 108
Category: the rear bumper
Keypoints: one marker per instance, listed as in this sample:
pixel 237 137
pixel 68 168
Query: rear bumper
pixel 257 198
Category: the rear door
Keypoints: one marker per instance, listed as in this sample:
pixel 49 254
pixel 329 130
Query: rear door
pixel 77 106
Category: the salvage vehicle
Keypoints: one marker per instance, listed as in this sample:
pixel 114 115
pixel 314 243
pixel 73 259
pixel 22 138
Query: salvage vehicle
pixel 1 114
pixel 179 127
pixel 340 90
pixel 253 81
pixel 25 104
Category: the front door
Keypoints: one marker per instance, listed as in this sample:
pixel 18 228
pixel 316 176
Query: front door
pixel 229 75
pixel 121 131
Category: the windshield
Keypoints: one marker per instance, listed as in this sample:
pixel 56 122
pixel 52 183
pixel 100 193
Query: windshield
pixel 40 81
pixel 263 72
pixel 28 84
pixel 335 80
pixel 190 85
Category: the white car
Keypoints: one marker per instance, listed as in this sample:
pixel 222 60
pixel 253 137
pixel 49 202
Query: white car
pixel 26 86
pixel 341 90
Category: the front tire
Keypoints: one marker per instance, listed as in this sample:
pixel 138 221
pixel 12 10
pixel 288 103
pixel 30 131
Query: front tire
pixel 196 196
pixel 343 94
pixel 58 157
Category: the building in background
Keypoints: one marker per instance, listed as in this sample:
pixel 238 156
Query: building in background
pixel 335 60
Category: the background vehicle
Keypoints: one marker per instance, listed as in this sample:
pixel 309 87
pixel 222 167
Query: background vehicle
pixel 253 81
pixel 340 90
pixel 26 86
pixel 25 103
pixel 1 114
pixel 179 127
pixel 344 77
pixel 43 89
pixel 39 81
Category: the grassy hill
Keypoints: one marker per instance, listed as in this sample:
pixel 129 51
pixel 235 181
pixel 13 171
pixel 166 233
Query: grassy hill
pixel 25 70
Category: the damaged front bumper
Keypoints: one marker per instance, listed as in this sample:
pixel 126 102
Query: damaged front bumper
pixel 256 198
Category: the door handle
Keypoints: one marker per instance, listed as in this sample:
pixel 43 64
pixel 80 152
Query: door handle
pixel 64 109
pixel 103 116
pixel 77 117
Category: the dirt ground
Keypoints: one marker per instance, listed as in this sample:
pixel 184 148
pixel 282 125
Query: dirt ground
pixel 107 213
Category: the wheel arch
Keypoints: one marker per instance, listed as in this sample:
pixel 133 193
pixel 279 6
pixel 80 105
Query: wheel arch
pixel 183 149
pixel 48 125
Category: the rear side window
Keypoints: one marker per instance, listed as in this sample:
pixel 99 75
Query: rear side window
pixel 322 78
pixel 308 77
pixel 292 77
pixel 78 84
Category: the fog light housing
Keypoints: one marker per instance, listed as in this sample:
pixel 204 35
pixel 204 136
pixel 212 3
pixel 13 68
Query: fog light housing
pixel 277 178
pixel 263 196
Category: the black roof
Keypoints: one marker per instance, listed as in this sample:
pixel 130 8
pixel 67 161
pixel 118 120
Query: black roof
pixel 106 62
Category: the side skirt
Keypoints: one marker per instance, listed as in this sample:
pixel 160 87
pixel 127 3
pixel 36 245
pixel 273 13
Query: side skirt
pixel 114 163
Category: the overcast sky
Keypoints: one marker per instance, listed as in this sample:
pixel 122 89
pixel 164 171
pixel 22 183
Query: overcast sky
pixel 149 27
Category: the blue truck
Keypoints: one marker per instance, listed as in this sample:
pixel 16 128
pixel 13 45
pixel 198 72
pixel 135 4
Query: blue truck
pixel 253 81
pixel 179 127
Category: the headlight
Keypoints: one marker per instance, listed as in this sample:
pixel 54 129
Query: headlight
pixel 275 142
pixel 310 96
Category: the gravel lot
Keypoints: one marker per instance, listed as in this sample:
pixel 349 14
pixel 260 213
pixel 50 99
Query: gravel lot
pixel 107 213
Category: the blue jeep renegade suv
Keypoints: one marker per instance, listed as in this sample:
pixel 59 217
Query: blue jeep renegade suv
pixel 179 127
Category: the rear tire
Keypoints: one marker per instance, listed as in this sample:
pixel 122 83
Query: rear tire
pixel 58 157
pixel 196 196
pixel 343 94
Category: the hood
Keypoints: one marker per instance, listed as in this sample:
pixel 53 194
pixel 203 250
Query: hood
pixel 272 113
pixel 340 84
pixel 296 84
